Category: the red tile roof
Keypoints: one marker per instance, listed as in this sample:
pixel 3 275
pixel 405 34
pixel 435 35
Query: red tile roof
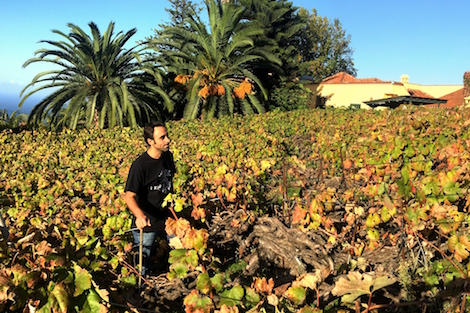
pixel 340 78
pixel 345 78
pixel 454 99
pixel 419 94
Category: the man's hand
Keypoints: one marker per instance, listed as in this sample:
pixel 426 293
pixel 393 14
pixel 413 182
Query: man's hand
pixel 142 221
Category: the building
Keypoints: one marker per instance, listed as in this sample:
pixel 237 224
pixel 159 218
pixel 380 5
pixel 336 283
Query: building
pixel 345 90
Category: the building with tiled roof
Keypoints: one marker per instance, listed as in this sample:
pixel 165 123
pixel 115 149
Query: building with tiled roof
pixel 345 90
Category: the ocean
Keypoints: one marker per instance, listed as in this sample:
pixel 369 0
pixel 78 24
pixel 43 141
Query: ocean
pixel 9 102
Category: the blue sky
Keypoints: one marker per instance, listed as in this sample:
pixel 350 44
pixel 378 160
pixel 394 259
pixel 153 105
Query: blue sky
pixel 426 39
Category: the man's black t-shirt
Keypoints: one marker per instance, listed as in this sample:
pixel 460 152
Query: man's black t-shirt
pixel 151 180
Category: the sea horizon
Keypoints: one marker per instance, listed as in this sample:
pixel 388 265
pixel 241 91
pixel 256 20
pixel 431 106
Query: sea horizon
pixel 10 101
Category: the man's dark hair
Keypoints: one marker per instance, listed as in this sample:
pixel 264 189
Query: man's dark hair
pixel 148 129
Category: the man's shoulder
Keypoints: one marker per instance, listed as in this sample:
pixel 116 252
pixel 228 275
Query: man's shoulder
pixel 141 159
pixel 168 155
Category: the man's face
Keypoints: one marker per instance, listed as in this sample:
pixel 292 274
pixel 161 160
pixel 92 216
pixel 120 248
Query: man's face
pixel 160 141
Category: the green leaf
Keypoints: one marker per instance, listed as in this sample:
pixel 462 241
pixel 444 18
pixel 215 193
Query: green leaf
pixel 430 185
pixel 179 203
pixel 180 269
pixel 176 254
pixel 431 280
pixel 405 174
pixel 385 214
pixel 203 283
pixel 252 298
pixel 93 303
pixel 296 294
pixel 82 280
pixel 60 295
pixel 82 239
pixel 218 282
pixel 231 297
pixel 382 189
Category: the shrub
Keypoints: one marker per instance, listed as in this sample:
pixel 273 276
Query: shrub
pixel 290 96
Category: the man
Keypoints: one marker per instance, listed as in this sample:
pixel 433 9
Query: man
pixel 149 181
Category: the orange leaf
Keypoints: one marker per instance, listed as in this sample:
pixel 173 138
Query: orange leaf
pixel 347 164
pixel 298 215
pixel 198 213
pixel 262 285
pixel 178 227
pixel 197 199
pixel 43 248
pixel 195 239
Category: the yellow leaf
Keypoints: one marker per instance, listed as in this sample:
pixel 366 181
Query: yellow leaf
pixel 310 280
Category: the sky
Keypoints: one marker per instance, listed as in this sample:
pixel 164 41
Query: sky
pixel 425 39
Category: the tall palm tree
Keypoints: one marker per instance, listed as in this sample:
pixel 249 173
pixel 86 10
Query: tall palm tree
pixel 96 80
pixel 282 36
pixel 213 62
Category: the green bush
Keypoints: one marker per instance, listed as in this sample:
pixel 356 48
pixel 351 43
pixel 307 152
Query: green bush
pixel 290 96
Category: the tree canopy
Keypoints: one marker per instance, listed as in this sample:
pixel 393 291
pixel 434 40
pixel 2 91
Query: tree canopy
pixel 227 63
pixel 212 61
pixel 282 26
pixel 325 48
pixel 96 80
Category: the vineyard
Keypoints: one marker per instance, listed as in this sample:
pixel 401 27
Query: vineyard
pixel 305 211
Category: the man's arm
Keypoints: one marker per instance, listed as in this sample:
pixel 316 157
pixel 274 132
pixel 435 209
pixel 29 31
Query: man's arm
pixel 141 220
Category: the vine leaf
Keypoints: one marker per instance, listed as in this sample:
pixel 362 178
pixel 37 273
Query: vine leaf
pixel 194 303
pixel 273 300
pixel 203 283
pixel 459 246
pixel 298 215
pixel 198 214
pixel 58 299
pixel 93 303
pixel 103 293
pixel 197 199
pixel 177 227
pixel 252 297
pixel 196 239
pixel 82 280
pixel 310 280
pixel 217 282
pixel 296 294
pixel 262 285
pixel 231 297
pixel 357 284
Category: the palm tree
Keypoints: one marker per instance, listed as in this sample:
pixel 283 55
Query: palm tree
pixel 13 121
pixel 96 80
pixel 213 63
pixel 282 36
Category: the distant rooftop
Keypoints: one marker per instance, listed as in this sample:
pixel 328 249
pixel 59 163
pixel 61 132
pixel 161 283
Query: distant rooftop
pixel 345 78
